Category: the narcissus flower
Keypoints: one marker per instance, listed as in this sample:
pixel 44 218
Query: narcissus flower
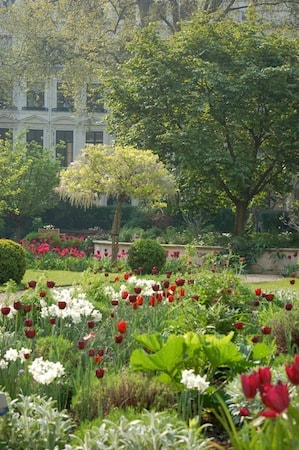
pixel 122 326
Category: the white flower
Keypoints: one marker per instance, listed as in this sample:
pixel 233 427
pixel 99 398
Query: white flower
pixel 3 364
pixel 11 354
pixel 192 381
pixel 45 372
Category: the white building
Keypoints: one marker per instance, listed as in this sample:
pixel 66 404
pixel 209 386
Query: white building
pixel 42 113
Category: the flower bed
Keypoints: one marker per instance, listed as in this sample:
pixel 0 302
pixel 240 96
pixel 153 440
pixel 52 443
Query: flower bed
pixel 205 346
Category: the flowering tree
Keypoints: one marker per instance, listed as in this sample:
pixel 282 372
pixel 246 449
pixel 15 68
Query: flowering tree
pixel 121 172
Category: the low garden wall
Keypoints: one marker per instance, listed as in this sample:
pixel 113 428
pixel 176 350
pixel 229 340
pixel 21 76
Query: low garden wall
pixel 272 261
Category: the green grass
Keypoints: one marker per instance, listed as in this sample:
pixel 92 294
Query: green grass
pixel 68 278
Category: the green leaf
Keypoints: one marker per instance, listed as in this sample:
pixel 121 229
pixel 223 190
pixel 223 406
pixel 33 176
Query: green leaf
pixel 152 342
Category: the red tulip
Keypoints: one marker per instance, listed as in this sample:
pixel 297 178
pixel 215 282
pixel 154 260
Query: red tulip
pixel 30 333
pixel 42 294
pixel 250 384
pixel 258 291
pixel 100 373
pixel 17 305
pixel 292 371
pixel 122 326
pixel 5 310
pixel 27 308
pixel 276 397
pixel 139 300
pixel 239 325
pixel 81 345
pixel 266 330
pixel 126 276
pixel 118 339
pixel 61 304
pixel 124 294
pixel 264 374
pixel 244 412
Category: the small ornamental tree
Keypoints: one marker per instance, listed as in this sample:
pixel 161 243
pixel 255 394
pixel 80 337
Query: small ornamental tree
pixel 121 172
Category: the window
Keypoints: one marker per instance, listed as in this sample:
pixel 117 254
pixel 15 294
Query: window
pixel 94 137
pixel 5 97
pixel 64 147
pixel 64 102
pixel 4 133
pixel 35 96
pixel 94 98
pixel 35 135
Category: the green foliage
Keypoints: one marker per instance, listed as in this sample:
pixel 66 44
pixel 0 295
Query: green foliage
pixel 122 390
pixel 146 254
pixel 34 422
pixel 151 430
pixel 12 261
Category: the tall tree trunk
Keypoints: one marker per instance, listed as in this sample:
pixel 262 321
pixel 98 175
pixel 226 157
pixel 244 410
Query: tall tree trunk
pixel 240 218
pixel 116 229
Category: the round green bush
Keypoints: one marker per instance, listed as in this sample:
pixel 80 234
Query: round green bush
pixel 12 261
pixel 146 254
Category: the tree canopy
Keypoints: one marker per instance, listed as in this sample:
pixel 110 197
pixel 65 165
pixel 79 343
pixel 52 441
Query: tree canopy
pixel 219 100
pixel 28 176
pixel 121 172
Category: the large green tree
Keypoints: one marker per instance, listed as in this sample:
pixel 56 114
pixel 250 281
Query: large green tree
pixel 28 176
pixel 121 172
pixel 219 100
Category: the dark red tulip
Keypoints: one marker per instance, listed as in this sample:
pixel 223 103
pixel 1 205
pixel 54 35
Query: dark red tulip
pixel 91 352
pixel 155 287
pixel 288 306
pixel 100 352
pixel 42 294
pixel 137 289
pixel 30 333
pixel 256 303
pixel 28 322
pixel 292 281
pixel 266 330
pixel 255 339
pixel 27 308
pixel 52 320
pixel 62 304
pixel 32 284
pixel 132 298
pixel 180 282
pixel 50 284
pixel 100 373
pixel 90 323
pixel 5 310
pixel 114 302
pixel 239 325
pixel 17 305
pixel 244 412
pixel 81 345
pixel 118 339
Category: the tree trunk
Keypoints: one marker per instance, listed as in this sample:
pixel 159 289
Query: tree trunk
pixel 240 218
pixel 116 229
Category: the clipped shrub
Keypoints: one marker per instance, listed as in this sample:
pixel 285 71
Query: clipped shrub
pixel 12 261
pixel 146 254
